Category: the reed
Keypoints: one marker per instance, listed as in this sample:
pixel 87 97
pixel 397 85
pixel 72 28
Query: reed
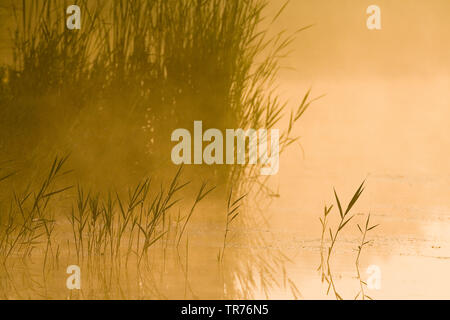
pixel 115 229
pixel 344 219
pixel 324 267
pixel 29 219
pixel 232 214
pixel 363 243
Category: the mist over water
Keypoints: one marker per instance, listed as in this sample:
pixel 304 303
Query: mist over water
pixel 383 119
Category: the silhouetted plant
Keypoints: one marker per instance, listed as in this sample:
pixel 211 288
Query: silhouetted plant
pixel 344 219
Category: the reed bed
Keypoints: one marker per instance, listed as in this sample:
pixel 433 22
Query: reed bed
pixel 103 233
pixel 110 94
pixel 128 246
pixel 136 71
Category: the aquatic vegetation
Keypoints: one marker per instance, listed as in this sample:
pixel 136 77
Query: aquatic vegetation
pixel 28 221
pixel 110 94
pixel 344 218
pixel 364 242
pixel 136 71
pixel 232 214
pixel 107 232
pixel 125 244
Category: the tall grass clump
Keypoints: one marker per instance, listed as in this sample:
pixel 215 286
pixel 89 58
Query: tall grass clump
pixel 49 80
pixel 115 229
pixel 28 220
pixel 113 91
pixel 107 235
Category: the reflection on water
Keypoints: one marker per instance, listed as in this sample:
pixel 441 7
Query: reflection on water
pixel 273 248
pixel 190 271
pixel 260 261
pixel 155 243
pixel 384 119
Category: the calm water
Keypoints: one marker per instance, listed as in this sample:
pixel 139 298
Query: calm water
pixel 384 119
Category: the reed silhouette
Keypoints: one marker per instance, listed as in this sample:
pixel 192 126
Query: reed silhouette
pixel 110 95
pixel 112 92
